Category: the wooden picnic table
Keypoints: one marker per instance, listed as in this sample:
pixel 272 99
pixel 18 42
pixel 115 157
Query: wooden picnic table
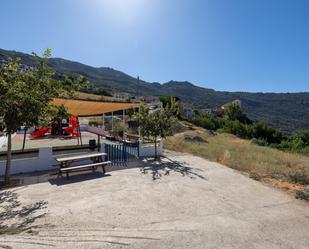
pixel 66 161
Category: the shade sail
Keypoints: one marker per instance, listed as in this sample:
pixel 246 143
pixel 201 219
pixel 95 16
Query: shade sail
pixel 83 108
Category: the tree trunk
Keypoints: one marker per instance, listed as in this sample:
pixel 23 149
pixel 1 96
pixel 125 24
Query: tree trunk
pixel 156 155
pixel 8 160
pixel 24 141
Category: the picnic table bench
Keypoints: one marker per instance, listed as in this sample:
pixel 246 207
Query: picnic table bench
pixel 66 161
pixel 132 137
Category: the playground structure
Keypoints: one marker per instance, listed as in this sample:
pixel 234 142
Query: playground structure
pixel 57 129
pixel 72 130
pixel 40 132
pixel 104 119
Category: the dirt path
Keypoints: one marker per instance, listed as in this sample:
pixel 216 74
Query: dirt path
pixel 183 202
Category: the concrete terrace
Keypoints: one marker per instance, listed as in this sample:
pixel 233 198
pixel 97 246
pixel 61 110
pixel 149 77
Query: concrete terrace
pixel 180 202
pixel 48 141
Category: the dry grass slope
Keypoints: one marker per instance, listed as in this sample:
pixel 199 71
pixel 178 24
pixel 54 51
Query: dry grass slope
pixel 261 163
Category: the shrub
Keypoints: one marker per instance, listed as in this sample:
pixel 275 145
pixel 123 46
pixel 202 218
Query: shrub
pixel 260 141
pixel 302 194
pixel 303 136
pixel 293 144
pixel 208 122
pixel 260 133
pixel 255 176
pixel 239 129
pixel 299 177
pixel 233 112
pixel 95 121
pixel 263 131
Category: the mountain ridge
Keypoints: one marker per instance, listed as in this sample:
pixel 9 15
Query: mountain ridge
pixel 288 111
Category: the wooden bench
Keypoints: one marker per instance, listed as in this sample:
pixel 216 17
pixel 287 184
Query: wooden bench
pixel 92 166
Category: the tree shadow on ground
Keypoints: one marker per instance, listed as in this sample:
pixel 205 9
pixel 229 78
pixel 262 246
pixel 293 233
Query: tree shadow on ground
pixel 77 178
pixel 15 217
pixel 163 166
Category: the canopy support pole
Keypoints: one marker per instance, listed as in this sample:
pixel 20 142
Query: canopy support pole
pixel 24 140
pixel 80 133
pixel 103 120
pixel 139 128
pixel 112 121
pixel 99 143
pixel 124 116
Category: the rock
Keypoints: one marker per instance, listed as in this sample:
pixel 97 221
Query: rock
pixel 195 139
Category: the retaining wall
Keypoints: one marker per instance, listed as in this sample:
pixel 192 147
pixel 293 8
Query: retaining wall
pixel 3 141
pixel 45 159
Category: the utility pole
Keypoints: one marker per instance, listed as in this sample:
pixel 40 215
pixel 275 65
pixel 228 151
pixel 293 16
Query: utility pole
pixel 137 87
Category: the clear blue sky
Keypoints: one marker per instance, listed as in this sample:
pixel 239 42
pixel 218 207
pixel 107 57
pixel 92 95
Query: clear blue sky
pixel 233 45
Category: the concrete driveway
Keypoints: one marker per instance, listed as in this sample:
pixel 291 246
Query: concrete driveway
pixel 183 202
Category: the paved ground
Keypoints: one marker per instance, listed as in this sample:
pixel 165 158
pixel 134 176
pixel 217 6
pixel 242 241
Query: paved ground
pixel 185 202
pixel 47 141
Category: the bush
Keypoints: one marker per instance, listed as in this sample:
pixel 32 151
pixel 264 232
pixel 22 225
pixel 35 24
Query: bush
pixel 261 142
pixel 263 131
pixel 255 176
pixel 302 194
pixel 98 91
pixel 102 91
pixel 260 133
pixel 233 112
pixel 208 122
pixel 295 143
pixel 239 129
pixel 299 177
pixel 303 136
pixel 95 122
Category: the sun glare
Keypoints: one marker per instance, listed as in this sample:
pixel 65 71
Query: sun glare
pixel 127 10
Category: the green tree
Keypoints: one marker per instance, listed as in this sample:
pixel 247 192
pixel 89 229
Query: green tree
pixel 167 100
pixel 25 97
pixel 233 112
pixel 158 123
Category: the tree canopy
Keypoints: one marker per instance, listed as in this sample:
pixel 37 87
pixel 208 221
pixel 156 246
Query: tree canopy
pixel 233 112
pixel 157 123
pixel 26 94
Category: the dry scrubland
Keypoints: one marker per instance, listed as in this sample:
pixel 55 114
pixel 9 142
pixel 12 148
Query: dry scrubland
pixel 282 169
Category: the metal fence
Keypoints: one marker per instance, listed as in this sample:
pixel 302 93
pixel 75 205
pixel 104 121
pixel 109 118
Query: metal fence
pixel 121 153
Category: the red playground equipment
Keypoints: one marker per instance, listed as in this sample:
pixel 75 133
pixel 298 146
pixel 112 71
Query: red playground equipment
pixel 40 132
pixel 72 130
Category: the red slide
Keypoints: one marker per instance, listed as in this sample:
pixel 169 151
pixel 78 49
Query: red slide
pixel 71 130
pixel 40 132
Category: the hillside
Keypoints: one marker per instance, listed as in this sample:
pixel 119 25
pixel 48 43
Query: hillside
pixel 288 111
pixel 260 163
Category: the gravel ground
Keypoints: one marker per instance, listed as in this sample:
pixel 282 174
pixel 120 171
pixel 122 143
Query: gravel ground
pixel 181 202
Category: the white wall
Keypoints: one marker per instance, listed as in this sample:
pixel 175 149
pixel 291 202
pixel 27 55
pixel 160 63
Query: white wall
pixel 29 131
pixel 148 150
pixel 3 141
pixel 44 161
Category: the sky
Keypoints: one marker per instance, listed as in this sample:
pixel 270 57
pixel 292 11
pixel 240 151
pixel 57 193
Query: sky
pixel 229 45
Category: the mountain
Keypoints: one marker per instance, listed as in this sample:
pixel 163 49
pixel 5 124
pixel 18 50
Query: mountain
pixel 288 111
